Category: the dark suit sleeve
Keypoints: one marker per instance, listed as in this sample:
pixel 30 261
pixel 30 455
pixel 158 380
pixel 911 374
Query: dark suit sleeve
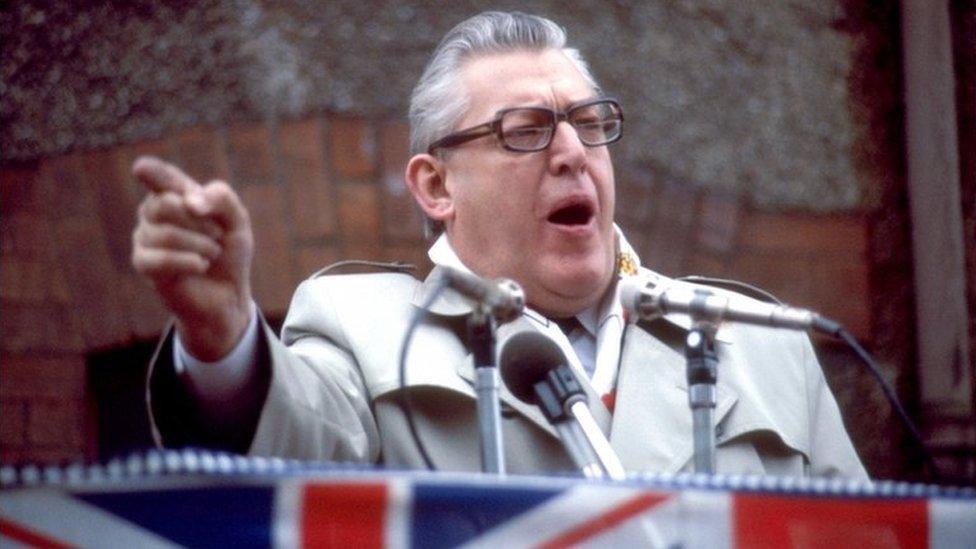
pixel 176 415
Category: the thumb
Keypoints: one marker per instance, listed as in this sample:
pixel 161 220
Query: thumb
pixel 218 201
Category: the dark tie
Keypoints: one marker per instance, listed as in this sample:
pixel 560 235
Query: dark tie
pixel 576 334
pixel 567 325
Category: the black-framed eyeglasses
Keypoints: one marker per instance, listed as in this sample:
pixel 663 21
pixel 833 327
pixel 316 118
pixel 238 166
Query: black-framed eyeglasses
pixel 530 129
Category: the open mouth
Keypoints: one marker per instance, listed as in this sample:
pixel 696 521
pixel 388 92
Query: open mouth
pixel 573 214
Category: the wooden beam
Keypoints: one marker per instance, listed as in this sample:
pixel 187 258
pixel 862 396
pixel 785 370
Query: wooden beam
pixel 934 196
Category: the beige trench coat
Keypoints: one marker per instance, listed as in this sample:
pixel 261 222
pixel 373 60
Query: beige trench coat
pixel 331 392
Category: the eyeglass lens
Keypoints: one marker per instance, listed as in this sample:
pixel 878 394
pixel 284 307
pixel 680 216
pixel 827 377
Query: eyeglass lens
pixel 531 128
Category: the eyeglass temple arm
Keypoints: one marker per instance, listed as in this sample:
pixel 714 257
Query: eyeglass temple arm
pixel 461 137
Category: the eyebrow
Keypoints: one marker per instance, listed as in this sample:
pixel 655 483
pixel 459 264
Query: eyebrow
pixel 544 106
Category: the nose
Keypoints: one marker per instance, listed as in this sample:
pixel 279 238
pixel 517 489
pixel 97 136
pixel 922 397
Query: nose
pixel 567 154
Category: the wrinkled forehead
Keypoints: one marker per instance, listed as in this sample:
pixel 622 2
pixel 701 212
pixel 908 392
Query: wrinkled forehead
pixel 521 78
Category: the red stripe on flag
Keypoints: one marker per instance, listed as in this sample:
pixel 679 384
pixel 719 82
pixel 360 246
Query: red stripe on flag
pixel 26 536
pixel 343 515
pixel 781 521
pixel 606 521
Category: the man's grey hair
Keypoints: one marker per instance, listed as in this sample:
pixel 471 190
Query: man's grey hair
pixel 439 100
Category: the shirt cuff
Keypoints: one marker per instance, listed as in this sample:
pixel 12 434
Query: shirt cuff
pixel 222 378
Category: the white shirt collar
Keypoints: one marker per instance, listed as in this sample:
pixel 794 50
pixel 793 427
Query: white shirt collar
pixel 443 254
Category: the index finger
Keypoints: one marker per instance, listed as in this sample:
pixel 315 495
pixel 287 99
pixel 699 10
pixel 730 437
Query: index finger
pixel 160 176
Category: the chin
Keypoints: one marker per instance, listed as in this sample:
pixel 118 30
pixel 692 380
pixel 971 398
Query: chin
pixel 570 288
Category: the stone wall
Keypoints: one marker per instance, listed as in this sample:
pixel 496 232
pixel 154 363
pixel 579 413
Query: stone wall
pixel 749 97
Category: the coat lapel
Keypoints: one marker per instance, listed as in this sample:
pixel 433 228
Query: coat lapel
pixel 530 411
pixel 452 304
pixel 652 426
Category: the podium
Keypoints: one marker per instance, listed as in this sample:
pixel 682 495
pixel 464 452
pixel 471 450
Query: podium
pixel 205 499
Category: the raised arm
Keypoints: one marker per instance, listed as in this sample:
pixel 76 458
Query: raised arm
pixel 195 244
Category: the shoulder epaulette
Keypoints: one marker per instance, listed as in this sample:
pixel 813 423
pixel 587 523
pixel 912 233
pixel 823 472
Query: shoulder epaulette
pixel 395 266
pixel 733 286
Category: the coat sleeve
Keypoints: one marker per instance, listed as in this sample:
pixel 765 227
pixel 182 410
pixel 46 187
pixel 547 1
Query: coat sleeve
pixel 318 406
pixel 307 401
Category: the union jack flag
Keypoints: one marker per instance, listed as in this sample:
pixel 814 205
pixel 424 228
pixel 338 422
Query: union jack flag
pixel 411 510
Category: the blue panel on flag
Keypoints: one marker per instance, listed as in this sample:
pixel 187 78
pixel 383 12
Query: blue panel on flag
pixel 196 517
pixel 447 516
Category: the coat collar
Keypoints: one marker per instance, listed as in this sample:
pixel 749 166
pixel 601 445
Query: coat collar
pixel 449 303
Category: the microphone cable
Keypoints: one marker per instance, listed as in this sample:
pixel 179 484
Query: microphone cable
pixel 405 398
pixel 832 328
pixel 889 392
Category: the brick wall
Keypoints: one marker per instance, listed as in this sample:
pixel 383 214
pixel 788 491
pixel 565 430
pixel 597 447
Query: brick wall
pixel 319 189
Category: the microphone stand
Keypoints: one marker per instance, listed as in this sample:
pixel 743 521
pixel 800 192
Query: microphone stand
pixel 597 442
pixel 563 402
pixel 702 372
pixel 481 338
pixel 550 394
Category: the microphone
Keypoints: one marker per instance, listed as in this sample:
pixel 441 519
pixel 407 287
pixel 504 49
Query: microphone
pixel 504 298
pixel 536 371
pixel 650 299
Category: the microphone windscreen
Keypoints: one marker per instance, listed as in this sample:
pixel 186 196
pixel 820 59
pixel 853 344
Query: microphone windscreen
pixel 525 360
pixel 630 292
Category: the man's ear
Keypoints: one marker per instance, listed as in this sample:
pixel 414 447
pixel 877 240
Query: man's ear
pixel 425 177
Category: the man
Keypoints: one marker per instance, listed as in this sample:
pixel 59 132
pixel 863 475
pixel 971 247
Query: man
pixel 509 133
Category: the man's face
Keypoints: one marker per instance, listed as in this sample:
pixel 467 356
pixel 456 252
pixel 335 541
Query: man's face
pixel 544 219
